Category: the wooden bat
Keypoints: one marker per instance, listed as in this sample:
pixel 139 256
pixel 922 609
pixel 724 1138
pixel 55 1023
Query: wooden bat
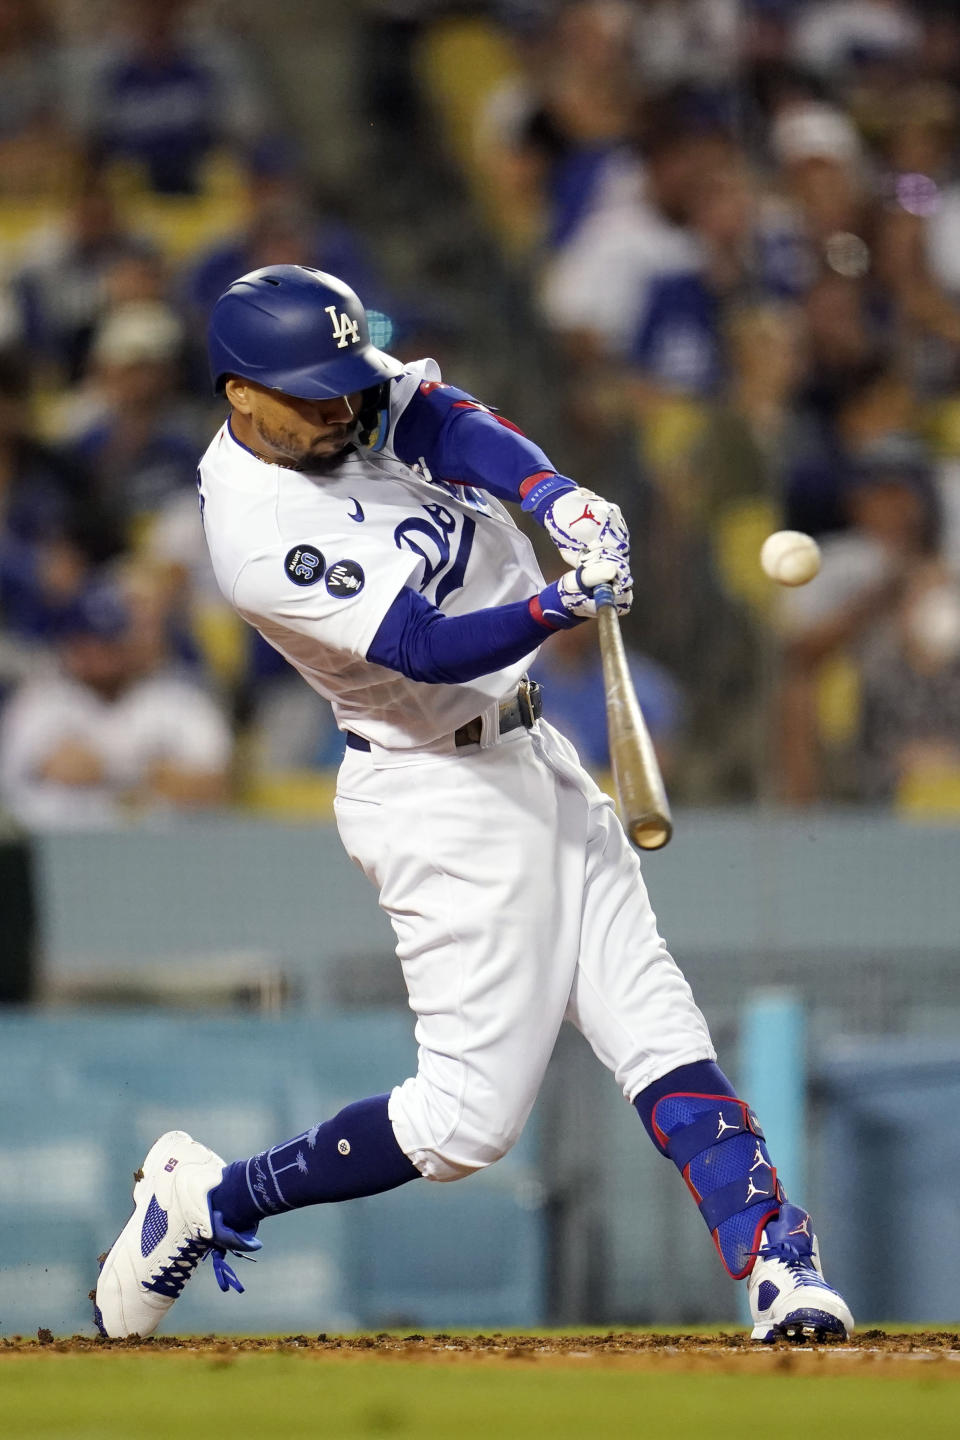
pixel 644 807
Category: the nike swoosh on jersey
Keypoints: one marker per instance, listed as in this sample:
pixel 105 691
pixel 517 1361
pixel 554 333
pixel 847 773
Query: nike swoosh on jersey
pixel 359 515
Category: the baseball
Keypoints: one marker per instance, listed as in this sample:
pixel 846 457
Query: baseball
pixel 790 557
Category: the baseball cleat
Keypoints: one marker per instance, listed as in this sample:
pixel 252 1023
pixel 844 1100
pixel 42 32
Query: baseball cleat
pixel 789 1298
pixel 170 1231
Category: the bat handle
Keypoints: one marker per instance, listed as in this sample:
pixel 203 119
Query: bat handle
pixel 603 595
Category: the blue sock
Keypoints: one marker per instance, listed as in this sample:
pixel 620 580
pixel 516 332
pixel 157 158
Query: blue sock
pixel 356 1153
pixel 693 1115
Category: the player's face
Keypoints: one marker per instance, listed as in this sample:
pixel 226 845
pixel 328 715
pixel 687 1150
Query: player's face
pixel 285 430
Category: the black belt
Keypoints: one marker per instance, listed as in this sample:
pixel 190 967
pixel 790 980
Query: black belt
pixel 524 708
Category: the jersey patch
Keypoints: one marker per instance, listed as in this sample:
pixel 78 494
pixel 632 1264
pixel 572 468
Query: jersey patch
pixel 345 578
pixel 303 565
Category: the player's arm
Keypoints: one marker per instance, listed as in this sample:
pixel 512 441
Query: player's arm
pixel 465 443
pixel 422 643
pixel 369 606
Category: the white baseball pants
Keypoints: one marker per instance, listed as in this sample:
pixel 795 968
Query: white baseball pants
pixel 517 902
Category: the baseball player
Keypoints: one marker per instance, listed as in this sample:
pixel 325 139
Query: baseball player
pixel 355 512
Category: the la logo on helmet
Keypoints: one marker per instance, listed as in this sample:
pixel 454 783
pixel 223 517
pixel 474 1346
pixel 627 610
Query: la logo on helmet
pixel 345 331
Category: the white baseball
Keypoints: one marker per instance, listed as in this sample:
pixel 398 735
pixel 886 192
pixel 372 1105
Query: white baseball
pixel 790 557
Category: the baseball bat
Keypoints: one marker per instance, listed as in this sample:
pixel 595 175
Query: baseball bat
pixel 636 771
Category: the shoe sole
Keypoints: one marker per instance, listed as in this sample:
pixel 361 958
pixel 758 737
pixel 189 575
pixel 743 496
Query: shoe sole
pixel 818 1326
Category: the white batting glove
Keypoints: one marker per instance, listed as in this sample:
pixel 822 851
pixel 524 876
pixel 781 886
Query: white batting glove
pixel 571 597
pixel 578 521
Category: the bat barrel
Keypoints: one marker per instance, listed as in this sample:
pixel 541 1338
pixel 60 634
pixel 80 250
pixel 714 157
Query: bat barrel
pixel 644 807
pixel 651 833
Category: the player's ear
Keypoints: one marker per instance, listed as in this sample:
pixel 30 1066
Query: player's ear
pixel 238 393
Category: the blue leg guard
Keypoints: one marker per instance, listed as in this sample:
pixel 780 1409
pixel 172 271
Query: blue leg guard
pixel 715 1141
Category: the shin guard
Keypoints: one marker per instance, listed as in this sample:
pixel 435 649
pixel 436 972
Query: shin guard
pixel 716 1143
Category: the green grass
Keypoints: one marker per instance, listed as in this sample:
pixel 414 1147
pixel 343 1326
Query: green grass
pixel 286 1396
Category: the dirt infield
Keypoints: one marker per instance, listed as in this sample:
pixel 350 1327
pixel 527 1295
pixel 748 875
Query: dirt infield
pixel 878 1350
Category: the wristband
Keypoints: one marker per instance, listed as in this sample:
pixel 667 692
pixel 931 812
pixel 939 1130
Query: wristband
pixel 538 490
pixel 549 610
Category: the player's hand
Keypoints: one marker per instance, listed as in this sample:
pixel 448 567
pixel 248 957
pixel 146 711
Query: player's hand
pixel 571 597
pixel 578 521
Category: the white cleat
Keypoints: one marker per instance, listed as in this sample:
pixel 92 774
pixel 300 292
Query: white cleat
pixel 789 1298
pixel 170 1231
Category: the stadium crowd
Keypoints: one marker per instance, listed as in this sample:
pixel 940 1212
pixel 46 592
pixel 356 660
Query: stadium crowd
pixel 739 219
pixel 738 226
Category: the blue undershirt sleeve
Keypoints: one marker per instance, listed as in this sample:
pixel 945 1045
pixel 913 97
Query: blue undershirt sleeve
pixel 422 643
pixel 464 443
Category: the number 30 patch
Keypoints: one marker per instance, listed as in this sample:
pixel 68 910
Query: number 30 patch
pixel 303 565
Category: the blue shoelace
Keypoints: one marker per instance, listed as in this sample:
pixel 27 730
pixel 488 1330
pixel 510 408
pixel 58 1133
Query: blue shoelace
pixel 801 1267
pixel 171 1278
pixel 802 1270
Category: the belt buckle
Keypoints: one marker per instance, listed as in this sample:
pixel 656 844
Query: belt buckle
pixel 528 715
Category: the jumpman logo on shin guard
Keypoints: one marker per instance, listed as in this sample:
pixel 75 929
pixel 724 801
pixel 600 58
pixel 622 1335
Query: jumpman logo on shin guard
pixel 754 1190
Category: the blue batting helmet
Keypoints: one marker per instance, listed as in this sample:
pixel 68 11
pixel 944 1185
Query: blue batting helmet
pixel 296 330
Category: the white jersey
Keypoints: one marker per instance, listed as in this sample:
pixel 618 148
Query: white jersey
pixel 315 560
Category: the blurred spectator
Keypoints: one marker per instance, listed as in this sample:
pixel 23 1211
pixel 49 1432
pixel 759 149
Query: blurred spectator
pixel 822 166
pixel 940 56
pixel 748 251
pixel 846 344
pixel 164 96
pixel 36 152
pixel 131 427
pixel 102 738
pixel 572 673
pixel 918 227
pixel 916 138
pixel 894 515
pixel 678 344
pixel 75 264
pixel 692 42
pixel 875 405
pixel 832 36
pixel 909 732
pixel 687 620
pixel 777 311
pixel 51 529
pixel 173 551
pixel 596 288
pixel 13 340
pixel 720 478
pixel 545 142
pixel 281 228
pixel 158 606
pixel 739 458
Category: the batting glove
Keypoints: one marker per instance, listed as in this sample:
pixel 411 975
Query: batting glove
pixel 578 521
pixel 570 599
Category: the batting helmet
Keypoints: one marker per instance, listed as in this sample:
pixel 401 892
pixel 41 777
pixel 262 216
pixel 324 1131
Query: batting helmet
pixel 296 330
